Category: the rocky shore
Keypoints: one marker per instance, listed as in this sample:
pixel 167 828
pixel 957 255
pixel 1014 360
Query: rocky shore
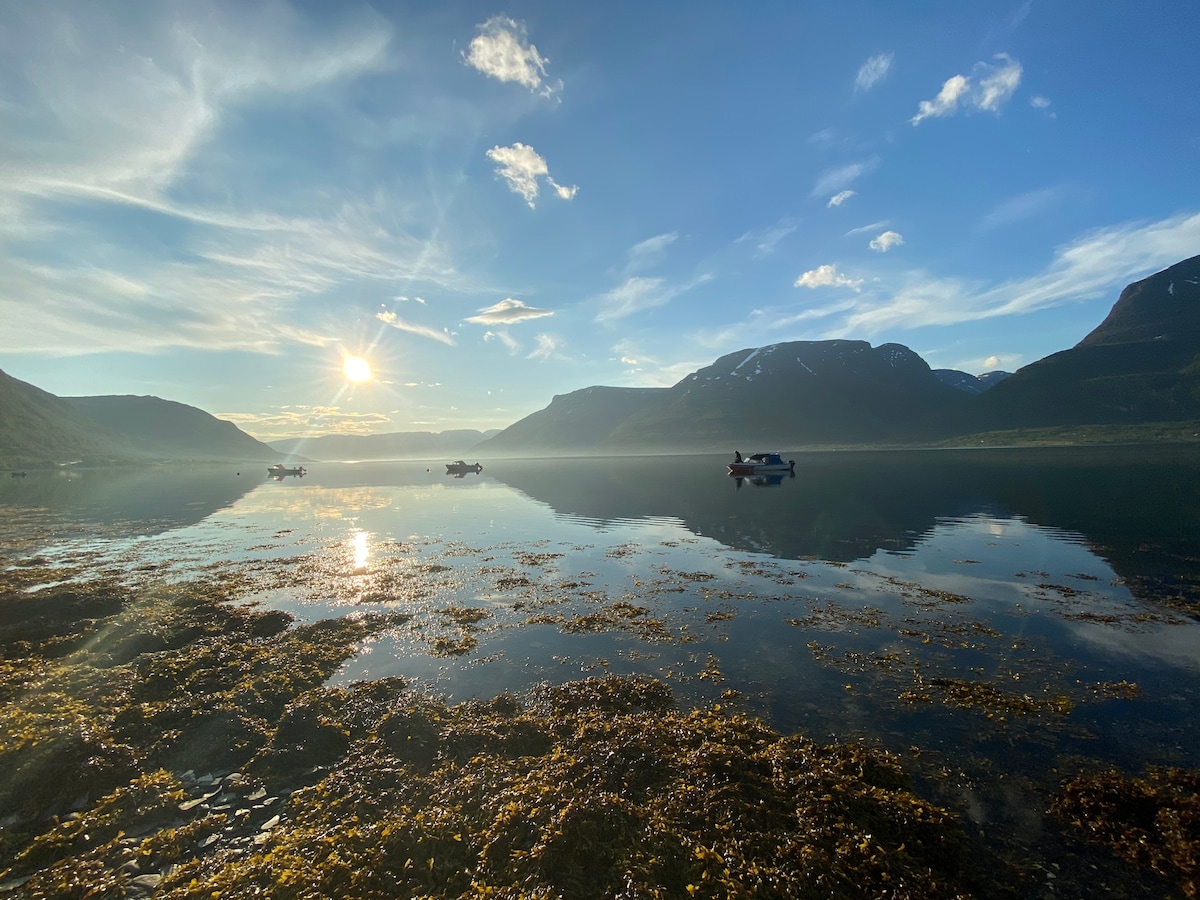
pixel 174 742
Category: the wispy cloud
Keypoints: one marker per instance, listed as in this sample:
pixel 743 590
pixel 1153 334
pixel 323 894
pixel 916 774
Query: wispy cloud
pixel 839 198
pixel 548 347
pixel 393 320
pixel 873 71
pixel 1023 206
pixel 521 166
pixel 1043 103
pixel 886 241
pixel 1096 264
pixel 835 180
pixel 989 87
pixel 864 229
pixel 304 421
pixel 637 294
pixel 503 337
pixel 827 276
pixel 650 252
pixel 502 51
pixel 508 312
pixel 136 127
pixel 765 240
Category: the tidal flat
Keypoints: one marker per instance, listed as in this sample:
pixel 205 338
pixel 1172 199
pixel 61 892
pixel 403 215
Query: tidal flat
pixel 370 686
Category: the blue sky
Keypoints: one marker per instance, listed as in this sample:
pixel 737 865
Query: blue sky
pixel 494 204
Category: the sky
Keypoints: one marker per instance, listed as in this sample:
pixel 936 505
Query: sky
pixel 482 206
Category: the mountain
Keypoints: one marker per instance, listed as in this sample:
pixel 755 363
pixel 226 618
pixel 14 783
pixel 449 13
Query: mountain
pixel 783 395
pixel 1141 364
pixel 574 423
pixel 37 427
pixel 164 429
pixel 971 384
pixel 396 445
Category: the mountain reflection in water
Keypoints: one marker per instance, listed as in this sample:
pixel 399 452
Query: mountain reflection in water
pixel 997 615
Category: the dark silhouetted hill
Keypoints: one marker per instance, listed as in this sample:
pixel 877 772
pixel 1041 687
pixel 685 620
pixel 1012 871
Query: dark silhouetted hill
pixel 783 395
pixel 1141 364
pixel 38 428
pixel 164 429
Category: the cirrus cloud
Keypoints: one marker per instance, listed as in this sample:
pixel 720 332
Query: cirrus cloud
pixel 873 71
pixel 390 318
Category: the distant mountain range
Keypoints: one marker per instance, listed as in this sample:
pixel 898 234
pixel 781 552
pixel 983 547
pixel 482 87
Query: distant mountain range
pixel 397 445
pixel 1140 365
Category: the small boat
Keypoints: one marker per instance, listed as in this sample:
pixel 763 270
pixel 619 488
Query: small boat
pixel 279 470
pixel 762 464
pixel 458 467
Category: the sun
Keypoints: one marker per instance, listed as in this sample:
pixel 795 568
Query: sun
pixel 356 369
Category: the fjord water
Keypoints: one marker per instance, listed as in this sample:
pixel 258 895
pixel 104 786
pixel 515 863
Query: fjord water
pixel 999 615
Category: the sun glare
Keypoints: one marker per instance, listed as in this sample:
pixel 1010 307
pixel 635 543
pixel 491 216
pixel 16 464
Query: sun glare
pixel 356 369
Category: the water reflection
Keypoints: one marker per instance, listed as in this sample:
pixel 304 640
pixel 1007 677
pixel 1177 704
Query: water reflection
pixel 1000 616
pixel 1138 507
pixel 361 551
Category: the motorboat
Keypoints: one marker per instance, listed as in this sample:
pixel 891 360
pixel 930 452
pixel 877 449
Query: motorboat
pixel 762 464
pixel 279 470
pixel 458 467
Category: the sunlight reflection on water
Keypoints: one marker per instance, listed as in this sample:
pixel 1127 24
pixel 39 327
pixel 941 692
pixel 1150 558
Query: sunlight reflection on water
pixel 820 602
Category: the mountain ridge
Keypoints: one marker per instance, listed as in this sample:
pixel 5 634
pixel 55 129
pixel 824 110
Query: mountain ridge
pixel 1139 366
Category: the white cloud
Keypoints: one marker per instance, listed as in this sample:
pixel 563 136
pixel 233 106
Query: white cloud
pixel 508 312
pixel 886 241
pixel 946 102
pixel 502 51
pixel 1023 206
pixel 1043 103
pixel 827 276
pixel 839 198
pixel 824 138
pixel 998 84
pixel 637 294
pixel 991 363
pixel 1096 264
pixel 873 71
pixel 989 87
pixel 521 166
pixel 132 119
pixel 503 337
pixel 863 229
pixel 648 253
pixel 305 421
pixel 390 318
pixel 834 180
pixel 566 193
pixel 409 299
pixel 548 346
pixel 765 240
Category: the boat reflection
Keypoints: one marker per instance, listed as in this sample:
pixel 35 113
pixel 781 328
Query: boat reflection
pixel 773 479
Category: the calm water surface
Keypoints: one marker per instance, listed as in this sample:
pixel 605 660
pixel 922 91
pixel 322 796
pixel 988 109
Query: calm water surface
pixel 1001 618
